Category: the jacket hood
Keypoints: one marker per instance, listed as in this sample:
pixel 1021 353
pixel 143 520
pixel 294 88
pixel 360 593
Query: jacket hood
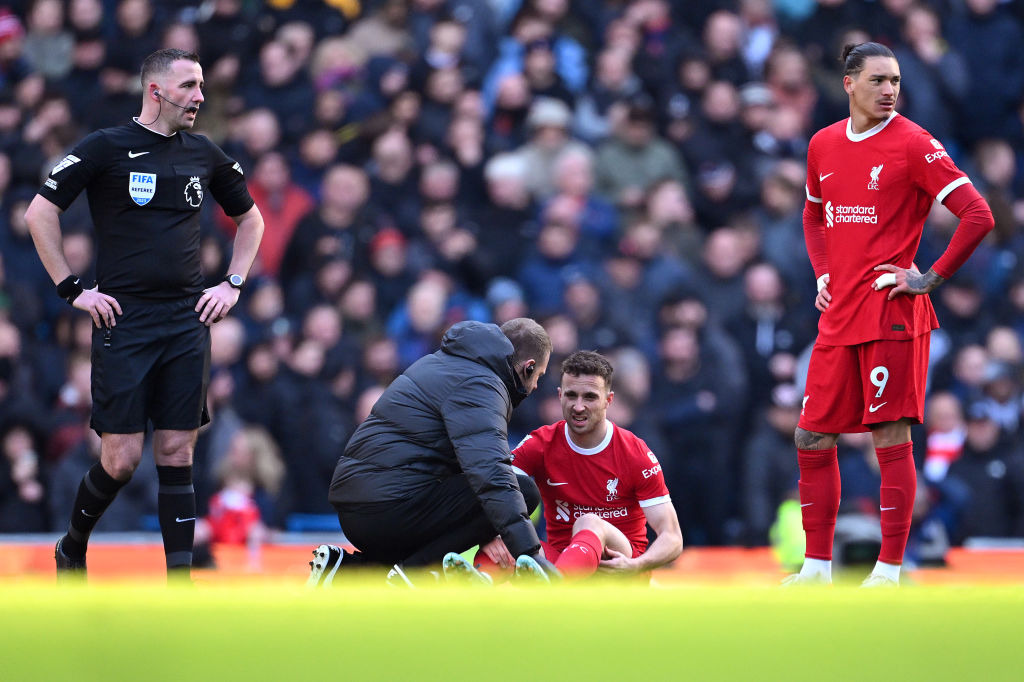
pixel 484 343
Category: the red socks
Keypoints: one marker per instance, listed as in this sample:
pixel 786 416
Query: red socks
pixel 899 485
pixel 819 499
pixel 483 563
pixel 581 558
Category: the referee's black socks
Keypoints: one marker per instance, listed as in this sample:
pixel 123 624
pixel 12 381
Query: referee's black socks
pixel 176 507
pixel 95 493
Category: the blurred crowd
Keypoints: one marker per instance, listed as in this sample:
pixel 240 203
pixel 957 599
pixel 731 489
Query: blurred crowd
pixel 628 172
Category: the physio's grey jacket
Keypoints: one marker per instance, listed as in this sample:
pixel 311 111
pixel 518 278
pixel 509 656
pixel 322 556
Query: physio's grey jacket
pixel 446 415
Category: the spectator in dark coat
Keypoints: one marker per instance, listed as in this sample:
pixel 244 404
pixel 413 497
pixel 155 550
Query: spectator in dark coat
pixel 989 39
pixel 992 467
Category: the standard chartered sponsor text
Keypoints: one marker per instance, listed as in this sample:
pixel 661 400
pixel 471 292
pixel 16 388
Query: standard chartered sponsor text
pixel 855 214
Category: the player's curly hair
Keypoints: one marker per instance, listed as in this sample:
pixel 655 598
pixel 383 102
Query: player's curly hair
pixel 589 363
pixel 853 56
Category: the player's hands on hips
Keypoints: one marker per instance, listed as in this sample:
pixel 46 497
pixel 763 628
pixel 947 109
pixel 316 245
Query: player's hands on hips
pixel 824 298
pixel 905 281
pixel 496 551
pixel 101 307
pixel 615 562
pixel 215 303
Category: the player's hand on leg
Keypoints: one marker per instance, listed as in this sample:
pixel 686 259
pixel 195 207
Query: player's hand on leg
pixel 101 307
pixel 216 302
pixel 615 562
pixel 496 551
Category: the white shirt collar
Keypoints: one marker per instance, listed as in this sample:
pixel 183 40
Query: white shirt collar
pixel 609 428
pixel 857 137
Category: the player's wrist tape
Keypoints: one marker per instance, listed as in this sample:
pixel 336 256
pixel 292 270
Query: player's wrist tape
pixel 69 289
pixel 822 282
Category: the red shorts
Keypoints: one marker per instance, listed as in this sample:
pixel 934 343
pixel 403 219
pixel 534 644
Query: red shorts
pixel 852 387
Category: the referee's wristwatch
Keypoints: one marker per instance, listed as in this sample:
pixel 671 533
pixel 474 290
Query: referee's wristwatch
pixel 236 281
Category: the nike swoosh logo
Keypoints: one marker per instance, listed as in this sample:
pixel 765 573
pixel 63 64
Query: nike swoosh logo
pixel 91 516
pixel 876 408
pixel 807 504
pixel 821 178
pixel 132 155
pixel 181 520
pixel 552 483
pixel 886 508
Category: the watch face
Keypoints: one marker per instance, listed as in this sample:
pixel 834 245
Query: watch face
pixel 236 281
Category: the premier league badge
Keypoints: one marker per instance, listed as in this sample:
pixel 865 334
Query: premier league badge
pixel 142 187
pixel 194 192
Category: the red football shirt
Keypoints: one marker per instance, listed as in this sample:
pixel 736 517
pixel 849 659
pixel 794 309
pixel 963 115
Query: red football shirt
pixel 614 480
pixel 875 190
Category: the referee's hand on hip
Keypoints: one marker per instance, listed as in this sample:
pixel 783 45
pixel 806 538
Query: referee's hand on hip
pixel 101 307
pixel 215 303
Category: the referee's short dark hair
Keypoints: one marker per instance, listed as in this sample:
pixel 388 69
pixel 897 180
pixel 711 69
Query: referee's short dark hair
pixel 529 339
pixel 161 60
pixel 589 363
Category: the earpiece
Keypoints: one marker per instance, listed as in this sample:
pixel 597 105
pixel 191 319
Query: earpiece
pixel 157 93
pixel 529 370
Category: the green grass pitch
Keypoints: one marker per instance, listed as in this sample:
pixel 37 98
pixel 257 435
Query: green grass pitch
pixel 366 631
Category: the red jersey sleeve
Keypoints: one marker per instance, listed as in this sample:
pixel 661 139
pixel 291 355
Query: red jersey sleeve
pixel 650 481
pixel 930 167
pixel 529 454
pixel 976 221
pixel 814 222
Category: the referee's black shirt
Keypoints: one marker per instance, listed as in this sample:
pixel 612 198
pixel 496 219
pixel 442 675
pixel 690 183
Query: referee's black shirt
pixel 145 191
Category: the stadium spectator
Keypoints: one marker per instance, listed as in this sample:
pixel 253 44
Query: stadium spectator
pixel 548 123
pixel 161 294
pixel 249 475
pixel 22 485
pixel 634 158
pixel 335 228
pixel 985 34
pixel 768 473
pixel 992 469
pixel 282 203
pixel 48 46
pixel 869 247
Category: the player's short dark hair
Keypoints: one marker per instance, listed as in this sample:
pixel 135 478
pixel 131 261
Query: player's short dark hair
pixel 853 56
pixel 529 339
pixel 589 363
pixel 161 60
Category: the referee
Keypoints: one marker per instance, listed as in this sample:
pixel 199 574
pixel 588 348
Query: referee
pixel 146 182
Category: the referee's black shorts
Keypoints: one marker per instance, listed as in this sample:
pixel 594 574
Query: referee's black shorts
pixel 153 366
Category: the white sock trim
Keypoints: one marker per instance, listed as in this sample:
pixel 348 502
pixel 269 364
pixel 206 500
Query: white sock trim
pixel 817 567
pixel 890 571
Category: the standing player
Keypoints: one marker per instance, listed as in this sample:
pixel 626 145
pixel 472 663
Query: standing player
pixel 146 182
pixel 871 181
pixel 601 486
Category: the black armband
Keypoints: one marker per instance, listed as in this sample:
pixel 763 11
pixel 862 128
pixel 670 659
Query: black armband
pixel 69 289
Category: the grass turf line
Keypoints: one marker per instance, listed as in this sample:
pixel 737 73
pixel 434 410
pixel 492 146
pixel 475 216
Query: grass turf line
pixel 266 630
